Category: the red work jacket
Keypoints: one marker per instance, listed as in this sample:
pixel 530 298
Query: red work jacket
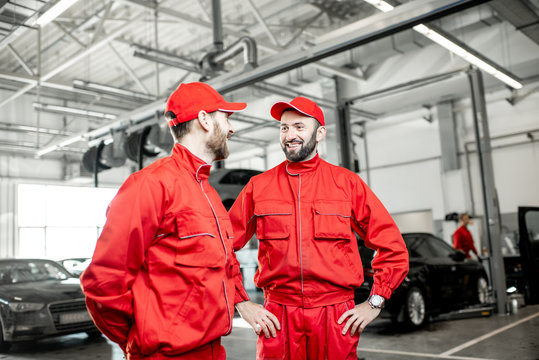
pixel 161 281
pixel 462 240
pixel 304 215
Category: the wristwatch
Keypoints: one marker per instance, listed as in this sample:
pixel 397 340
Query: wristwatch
pixel 376 301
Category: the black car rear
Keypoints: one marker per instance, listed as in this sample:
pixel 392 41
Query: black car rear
pixel 440 280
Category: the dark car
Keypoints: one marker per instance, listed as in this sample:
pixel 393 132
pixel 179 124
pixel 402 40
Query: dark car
pixel 229 182
pixel 441 279
pixel 39 298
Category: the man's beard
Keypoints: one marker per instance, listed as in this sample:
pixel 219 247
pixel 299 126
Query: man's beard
pixel 305 149
pixel 217 145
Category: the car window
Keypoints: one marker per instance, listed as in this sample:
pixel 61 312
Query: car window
pixel 532 224
pixel 415 246
pixel 238 177
pixel 20 272
pixel 439 248
pixel 427 246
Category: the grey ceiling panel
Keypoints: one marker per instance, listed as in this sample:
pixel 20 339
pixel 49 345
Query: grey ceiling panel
pixel 521 14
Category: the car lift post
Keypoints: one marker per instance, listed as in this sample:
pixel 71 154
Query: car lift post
pixel 491 218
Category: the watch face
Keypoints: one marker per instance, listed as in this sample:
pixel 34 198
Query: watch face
pixel 377 300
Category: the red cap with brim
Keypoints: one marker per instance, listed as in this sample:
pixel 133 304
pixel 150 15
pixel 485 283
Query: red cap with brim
pixel 189 99
pixel 303 105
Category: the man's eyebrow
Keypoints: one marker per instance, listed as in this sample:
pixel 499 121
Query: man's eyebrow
pixel 293 124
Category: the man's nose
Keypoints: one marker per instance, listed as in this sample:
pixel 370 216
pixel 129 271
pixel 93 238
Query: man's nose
pixel 290 134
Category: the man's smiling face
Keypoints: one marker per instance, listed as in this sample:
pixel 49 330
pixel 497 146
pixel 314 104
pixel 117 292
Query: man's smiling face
pixel 299 135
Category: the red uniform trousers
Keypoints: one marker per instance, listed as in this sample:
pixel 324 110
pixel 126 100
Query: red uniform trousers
pixel 308 333
pixel 211 351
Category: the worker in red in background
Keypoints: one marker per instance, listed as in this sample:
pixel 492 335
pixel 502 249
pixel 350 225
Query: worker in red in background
pixel 462 238
pixel 304 212
pixel 161 281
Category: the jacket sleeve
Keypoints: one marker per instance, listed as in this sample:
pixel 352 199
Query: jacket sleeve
pixel 374 224
pixel 132 221
pixel 244 225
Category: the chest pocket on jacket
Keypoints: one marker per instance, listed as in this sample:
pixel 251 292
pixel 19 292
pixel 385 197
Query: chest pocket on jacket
pixel 332 220
pixel 273 221
pixel 199 243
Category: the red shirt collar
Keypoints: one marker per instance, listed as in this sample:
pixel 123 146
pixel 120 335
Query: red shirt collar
pixel 198 167
pixel 300 167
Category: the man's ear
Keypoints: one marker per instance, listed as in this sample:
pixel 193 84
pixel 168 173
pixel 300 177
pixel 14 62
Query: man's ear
pixel 203 120
pixel 320 133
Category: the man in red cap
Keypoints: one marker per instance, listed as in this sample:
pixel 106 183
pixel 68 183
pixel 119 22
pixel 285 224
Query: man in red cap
pixel 304 212
pixel 161 281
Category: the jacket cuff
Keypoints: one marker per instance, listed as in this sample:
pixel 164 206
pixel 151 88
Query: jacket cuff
pixel 384 291
pixel 241 295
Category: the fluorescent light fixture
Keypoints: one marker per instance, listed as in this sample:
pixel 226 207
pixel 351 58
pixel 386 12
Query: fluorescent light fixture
pixel 380 5
pixel 454 48
pixel 57 109
pixel 55 11
pixel 59 145
pixel 466 55
pixel 110 90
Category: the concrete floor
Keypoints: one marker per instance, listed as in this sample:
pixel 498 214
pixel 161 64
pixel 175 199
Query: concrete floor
pixel 496 337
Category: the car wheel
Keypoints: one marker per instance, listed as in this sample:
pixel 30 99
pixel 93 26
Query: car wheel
pixel 482 292
pixel 4 346
pixel 415 310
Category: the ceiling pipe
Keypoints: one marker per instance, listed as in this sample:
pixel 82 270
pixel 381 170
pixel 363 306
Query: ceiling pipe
pixel 163 57
pixel 214 61
pixel 246 45
pixel 260 44
pixel 217 25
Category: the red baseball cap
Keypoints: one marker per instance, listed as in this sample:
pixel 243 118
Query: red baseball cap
pixel 188 99
pixel 301 104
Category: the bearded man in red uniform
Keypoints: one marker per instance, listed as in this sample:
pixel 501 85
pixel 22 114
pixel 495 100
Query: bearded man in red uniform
pixel 304 213
pixel 161 281
pixel 462 238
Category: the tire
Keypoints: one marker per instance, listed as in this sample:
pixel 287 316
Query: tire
pixel 415 309
pixel 482 291
pixel 4 346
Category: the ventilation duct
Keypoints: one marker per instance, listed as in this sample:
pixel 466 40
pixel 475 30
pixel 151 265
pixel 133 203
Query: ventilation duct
pixel 213 62
pixel 136 146
pixel 161 138
pixel 91 160
pixel 113 153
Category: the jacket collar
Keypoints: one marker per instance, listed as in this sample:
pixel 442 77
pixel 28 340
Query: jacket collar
pixel 192 163
pixel 300 167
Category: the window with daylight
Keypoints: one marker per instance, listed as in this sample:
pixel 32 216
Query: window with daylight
pixel 60 222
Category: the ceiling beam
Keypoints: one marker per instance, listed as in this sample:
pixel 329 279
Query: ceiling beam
pixel 350 36
pixel 77 57
pixel 520 15
pixel 359 33
pixel 347 74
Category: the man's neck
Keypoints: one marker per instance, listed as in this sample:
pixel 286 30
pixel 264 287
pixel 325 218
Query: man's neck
pixel 197 148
